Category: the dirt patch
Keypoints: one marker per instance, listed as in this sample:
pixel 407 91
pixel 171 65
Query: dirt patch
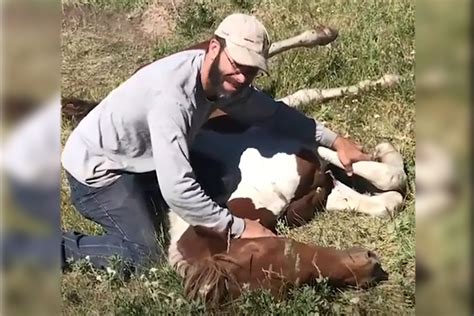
pixel 157 20
pixel 149 23
pixel 101 22
pixel 102 47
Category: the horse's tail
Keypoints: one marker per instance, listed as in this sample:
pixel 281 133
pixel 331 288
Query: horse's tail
pixel 211 280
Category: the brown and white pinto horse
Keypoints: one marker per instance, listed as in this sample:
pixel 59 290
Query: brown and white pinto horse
pixel 265 177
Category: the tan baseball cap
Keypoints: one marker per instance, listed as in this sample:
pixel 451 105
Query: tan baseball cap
pixel 247 40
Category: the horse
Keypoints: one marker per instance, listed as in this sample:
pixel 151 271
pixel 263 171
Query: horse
pixel 266 177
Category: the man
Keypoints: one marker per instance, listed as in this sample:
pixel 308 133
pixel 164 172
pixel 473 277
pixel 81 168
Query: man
pixel 132 150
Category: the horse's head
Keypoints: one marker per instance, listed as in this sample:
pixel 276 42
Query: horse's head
pixel 360 268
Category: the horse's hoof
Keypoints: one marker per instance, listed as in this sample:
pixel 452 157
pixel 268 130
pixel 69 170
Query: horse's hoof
pixel 326 35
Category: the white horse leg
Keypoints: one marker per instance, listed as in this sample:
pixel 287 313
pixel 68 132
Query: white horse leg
pixel 305 96
pixel 320 36
pixel 343 197
pixel 383 176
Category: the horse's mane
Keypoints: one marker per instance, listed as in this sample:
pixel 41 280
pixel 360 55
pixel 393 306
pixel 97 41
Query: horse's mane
pixel 211 280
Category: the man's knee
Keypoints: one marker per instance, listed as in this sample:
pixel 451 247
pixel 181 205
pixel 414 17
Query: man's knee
pixel 101 249
pixel 143 253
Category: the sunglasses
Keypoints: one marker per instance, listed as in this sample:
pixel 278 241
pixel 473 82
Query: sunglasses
pixel 247 71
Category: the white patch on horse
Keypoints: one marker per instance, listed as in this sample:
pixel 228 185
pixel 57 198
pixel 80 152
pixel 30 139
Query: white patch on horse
pixel 270 183
pixel 177 228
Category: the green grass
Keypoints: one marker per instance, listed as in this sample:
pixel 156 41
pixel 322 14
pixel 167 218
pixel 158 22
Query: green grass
pixel 376 37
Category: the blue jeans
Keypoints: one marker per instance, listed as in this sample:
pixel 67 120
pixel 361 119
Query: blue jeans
pixel 130 211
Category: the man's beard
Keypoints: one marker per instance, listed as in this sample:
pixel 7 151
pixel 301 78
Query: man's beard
pixel 216 78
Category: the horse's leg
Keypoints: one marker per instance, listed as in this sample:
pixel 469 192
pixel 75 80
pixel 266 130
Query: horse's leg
pixel 383 176
pixel 387 154
pixel 305 96
pixel 302 210
pixel 320 36
pixel 343 197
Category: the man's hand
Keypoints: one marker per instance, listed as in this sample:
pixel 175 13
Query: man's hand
pixel 348 153
pixel 253 229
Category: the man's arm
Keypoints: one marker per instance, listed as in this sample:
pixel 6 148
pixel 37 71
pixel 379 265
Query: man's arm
pixel 176 179
pixel 258 108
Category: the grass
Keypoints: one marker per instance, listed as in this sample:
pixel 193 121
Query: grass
pixel 103 43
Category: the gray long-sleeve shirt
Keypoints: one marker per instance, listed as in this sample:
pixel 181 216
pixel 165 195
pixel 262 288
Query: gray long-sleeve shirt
pixel 149 122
